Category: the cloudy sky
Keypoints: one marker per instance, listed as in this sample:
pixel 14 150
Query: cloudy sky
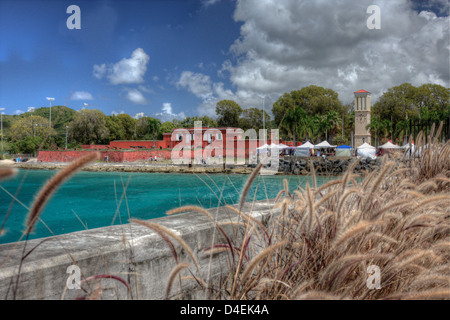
pixel 177 58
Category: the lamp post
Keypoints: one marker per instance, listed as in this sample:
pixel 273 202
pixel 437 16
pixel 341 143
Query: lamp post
pixel 67 127
pixel 30 110
pixel 1 121
pixel 50 117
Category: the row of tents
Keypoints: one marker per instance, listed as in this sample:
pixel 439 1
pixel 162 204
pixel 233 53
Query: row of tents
pixel 365 150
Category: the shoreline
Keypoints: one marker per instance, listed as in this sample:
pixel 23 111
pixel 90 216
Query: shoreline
pixel 139 167
pixel 330 166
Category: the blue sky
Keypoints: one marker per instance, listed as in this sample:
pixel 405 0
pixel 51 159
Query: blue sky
pixel 177 58
pixel 41 57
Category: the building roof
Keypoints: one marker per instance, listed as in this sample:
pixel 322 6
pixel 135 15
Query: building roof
pixel 361 91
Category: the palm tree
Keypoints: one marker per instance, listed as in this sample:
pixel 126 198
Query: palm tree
pixel 380 128
pixel 375 126
pixel 306 129
pixel 401 130
pixel 331 119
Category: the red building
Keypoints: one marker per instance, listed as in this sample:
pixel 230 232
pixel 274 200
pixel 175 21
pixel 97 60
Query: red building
pixel 189 143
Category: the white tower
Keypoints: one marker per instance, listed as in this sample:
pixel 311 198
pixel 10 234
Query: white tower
pixel 362 117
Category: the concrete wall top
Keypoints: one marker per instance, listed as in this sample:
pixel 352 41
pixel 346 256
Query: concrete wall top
pixel 133 252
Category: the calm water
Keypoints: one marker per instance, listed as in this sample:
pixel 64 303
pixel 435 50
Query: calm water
pixel 97 199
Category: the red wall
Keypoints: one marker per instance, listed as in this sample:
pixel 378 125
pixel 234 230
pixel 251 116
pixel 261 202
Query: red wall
pixel 95 146
pixel 146 144
pixel 113 156
pixel 237 149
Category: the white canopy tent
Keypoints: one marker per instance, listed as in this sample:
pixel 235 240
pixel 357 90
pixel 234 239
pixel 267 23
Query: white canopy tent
pixel 323 145
pixel 306 145
pixel 273 145
pixel 304 150
pixel 366 151
pixel 264 146
pixel 389 145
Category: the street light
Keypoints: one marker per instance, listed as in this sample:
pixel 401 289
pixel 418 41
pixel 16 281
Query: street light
pixel 1 121
pixel 30 110
pixel 66 136
pixel 50 99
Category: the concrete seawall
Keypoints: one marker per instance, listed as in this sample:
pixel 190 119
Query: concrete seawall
pixel 132 252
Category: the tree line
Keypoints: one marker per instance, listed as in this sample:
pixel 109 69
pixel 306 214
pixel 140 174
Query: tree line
pixel 311 113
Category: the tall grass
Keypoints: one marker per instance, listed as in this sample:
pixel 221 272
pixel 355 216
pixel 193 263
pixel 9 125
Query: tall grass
pixel 324 241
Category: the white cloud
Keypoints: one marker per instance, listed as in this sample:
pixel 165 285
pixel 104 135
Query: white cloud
pixel 167 113
pixel 115 113
pixel 207 3
pixel 99 71
pixel 204 88
pixel 81 95
pixel 289 44
pixel 197 83
pixel 211 92
pixel 167 107
pixel 139 115
pixel 145 89
pixel 136 96
pixel 327 43
pixel 127 70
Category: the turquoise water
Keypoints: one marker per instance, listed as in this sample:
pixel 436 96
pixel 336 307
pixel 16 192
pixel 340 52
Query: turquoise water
pixel 97 199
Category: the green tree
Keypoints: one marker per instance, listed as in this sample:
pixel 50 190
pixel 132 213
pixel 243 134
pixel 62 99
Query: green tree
pixel 115 129
pixel 401 103
pixel 317 100
pixel 308 128
pixel 189 122
pixel 31 126
pixel 280 110
pixel 29 144
pixel 433 101
pixel 228 113
pixel 61 116
pixel 401 131
pixel 379 128
pixel 327 123
pixel 142 132
pixel 254 118
pixel 153 126
pixel 397 104
pixel 300 111
pixel 88 127
pixel 129 126
pixel 166 127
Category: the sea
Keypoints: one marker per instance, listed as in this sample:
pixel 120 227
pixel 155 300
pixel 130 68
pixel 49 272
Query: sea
pixel 97 199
